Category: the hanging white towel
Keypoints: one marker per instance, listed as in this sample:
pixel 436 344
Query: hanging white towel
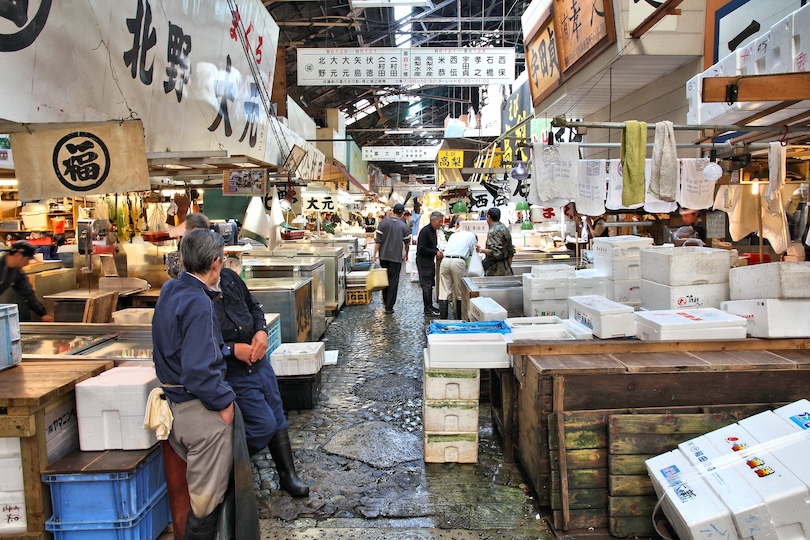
pixel 695 191
pixel 555 180
pixel 663 177
pixel 776 176
pixel 740 203
pixel 158 415
pixel 591 187
pixel 615 182
pixel 652 203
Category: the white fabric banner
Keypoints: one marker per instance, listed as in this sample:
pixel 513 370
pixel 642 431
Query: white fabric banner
pixel 107 157
pixel 591 187
pixel 694 190
pixel 556 179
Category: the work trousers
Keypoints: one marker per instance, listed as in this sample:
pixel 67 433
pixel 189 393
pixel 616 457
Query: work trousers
pixel 389 294
pixel 451 272
pixel 205 442
pixel 259 399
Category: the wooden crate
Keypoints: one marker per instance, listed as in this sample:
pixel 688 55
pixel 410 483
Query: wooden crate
pixel 356 296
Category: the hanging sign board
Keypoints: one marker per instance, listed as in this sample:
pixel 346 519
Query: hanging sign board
pixel 400 153
pixel 453 66
pixel 542 61
pixel 319 202
pixel 479 226
pixel 108 157
pixel 6 161
pixel 450 159
pixel 248 182
pixel 584 29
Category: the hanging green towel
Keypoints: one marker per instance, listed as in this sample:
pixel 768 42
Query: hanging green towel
pixel 634 152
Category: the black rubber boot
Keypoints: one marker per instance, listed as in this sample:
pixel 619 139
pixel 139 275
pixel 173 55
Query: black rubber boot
pixel 443 309
pixel 458 309
pixel 203 528
pixel 427 299
pixel 281 451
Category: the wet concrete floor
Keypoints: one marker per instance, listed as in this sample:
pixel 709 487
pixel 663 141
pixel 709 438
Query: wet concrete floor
pixel 360 448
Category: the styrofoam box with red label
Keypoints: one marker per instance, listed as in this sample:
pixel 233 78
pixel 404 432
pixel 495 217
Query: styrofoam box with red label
pixel 620 247
pixel 780 53
pixel 784 494
pixel 801 39
pixel 545 308
pixel 659 296
pixel 451 447
pixel 797 414
pixel 484 308
pixel 675 266
pixel 549 270
pixel 789 446
pixel 451 383
pixel 770 280
pixel 773 317
pixel 616 268
pixel 298 358
pixel 693 324
pixel 586 282
pixel 545 288
pixel 606 318
pixel 753 56
pixel 12 518
pixel 481 351
pixel 624 291
pixel 746 506
pixel 450 416
pixel 110 409
pixel 691 507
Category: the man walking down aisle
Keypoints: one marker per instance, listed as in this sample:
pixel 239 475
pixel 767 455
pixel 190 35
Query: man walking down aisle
pixel 427 251
pixel 391 243
pixel 460 246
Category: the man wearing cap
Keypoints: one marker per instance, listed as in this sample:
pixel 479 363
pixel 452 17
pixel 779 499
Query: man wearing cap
pixel 427 250
pixel 12 275
pixel 391 241
pixel 691 218
pixel 499 249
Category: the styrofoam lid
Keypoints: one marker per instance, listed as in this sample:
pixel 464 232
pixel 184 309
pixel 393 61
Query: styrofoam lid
pixel 298 348
pixel 466 338
pixel 485 303
pixel 702 317
pixel 797 413
pixel 524 322
pixel 625 239
pixel 123 375
pixel 586 273
pixel 600 303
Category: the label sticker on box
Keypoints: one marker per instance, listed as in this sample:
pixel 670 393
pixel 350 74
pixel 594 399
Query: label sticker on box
pixel 802 420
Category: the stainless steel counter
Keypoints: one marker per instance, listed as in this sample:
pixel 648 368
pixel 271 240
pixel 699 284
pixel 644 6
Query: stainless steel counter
pixel 506 290
pixel 291 298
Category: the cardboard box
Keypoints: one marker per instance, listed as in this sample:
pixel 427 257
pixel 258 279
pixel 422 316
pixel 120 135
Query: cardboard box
pixel 772 317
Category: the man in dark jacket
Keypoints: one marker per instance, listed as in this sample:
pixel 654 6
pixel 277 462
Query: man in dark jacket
pixel 427 251
pixel 12 275
pixel 391 241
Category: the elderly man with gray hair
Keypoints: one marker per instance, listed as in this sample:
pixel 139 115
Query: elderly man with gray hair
pixel 427 251
pixel 460 246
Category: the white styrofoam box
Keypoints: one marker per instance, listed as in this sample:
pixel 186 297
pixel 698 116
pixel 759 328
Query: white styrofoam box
pixel 545 288
pixel 545 308
pixel 624 291
pixel 773 317
pixel 451 383
pixel 618 268
pixel 481 351
pixel 689 265
pixel 586 282
pixel 691 507
pixel 753 55
pixel 484 308
pixel 11 476
pixel 133 316
pixel 298 358
pixel 788 445
pixel 659 296
pixel 780 53
pixel 330 358
pixel 746 506
pixel 62 430
pixel 451 447
pixel 693 89
pixel 621 247
pixel 548 270
pixel 13 516
pixel 451 416
pixel 110 409
pixel 537 327
pixel 801 39
pixel 693 324
pixel 797 414
pixel 784 494
pixel 546 332
pixel 579 331
pixel 606 318
pixel 9 446
pixel 770 280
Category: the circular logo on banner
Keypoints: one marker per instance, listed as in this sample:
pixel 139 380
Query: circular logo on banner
pixel 81 161
pixel 17 13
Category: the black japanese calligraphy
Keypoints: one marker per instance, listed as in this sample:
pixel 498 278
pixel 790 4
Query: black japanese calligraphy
pixel 17 13
pixel 251 116
pixel 226 91
pixel 179 68
pixel 143 38
pixel 81 161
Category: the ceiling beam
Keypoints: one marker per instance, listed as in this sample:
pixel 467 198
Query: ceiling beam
pixel 775 87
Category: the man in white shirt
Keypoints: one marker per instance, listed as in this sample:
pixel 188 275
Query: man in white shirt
pixel 460 246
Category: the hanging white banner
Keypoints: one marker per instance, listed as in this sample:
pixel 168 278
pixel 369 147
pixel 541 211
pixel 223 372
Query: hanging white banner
pixel 107 157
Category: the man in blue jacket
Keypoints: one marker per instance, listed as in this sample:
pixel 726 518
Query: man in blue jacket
pixel 189 352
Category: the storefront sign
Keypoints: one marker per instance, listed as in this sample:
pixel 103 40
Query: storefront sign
pixel 6 161
pixel 403 66
pixel 476 227
pixel 450 159
pixel 518 108
pixel 107 157
pixel 584 27
pixel 319 202
pixel 248 182
pixel 400 153
pixel 542 61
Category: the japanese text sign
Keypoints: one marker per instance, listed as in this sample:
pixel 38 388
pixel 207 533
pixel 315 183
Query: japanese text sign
pixel 248 182
pixel 542 62
pixel 450 159
pixel 400 153
pixel 583 26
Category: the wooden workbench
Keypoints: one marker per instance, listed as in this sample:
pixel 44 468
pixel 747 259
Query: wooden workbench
pixel 571 401
pixel 28 392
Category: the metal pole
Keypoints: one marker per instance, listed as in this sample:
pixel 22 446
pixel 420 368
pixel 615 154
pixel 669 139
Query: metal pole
pixel 562 122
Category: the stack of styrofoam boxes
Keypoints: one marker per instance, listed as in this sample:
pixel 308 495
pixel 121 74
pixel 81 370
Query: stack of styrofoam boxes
pixel 604 317
pixel 688 324
pixel 10 344
pixel 450 414
pixel 298 358
pixel 12 494
pixel 110 409
pixel 484 308
pixel 684 277
pixel 545 290
pixel 749 480
pixel 619 259
pixel 774 297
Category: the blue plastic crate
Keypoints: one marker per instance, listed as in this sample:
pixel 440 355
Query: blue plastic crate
pixel 106 496
pixel 146 525
pixel 273 337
